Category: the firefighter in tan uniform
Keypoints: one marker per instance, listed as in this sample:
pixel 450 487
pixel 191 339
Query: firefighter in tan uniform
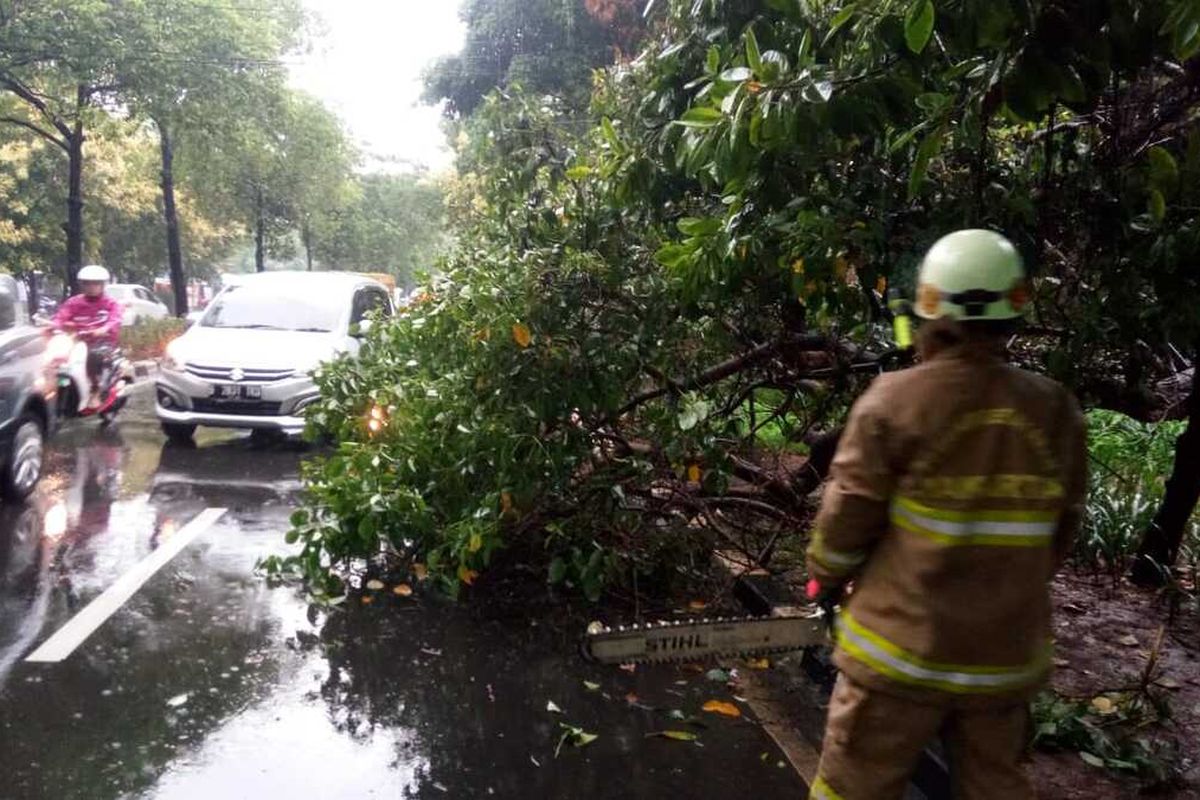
pixel 954 496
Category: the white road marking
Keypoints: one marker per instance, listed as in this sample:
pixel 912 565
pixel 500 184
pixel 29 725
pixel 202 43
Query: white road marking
pixel 87 621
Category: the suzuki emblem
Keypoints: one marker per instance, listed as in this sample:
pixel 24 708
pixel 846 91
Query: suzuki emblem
pixel 236 374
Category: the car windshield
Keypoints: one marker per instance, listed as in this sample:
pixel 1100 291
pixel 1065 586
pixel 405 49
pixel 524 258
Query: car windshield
pixel 278 308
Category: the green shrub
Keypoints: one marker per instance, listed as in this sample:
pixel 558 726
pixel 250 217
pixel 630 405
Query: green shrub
pixel 1129 464
pixel 149 338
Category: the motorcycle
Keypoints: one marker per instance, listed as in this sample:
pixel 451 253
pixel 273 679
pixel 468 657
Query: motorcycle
pixel 67 356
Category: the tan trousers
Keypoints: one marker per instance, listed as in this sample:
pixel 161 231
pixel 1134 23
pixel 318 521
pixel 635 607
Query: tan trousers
pixel 873 741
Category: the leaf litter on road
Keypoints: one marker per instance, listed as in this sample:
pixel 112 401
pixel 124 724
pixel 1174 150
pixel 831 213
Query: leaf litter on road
pixel 575 736
pixel 722 708
pixel 678 736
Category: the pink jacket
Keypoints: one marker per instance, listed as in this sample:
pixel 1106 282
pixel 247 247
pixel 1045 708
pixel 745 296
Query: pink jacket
pixel 98 316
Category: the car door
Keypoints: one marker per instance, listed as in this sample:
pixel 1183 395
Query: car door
pixel 21 350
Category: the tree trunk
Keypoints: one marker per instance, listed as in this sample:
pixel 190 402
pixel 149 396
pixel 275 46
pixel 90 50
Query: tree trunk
pixel 306 234
pixel 1161 542
pixel 171 216
pixel 74 226
pixel 260 255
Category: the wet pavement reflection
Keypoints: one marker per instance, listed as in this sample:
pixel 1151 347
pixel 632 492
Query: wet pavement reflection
pixel 211 683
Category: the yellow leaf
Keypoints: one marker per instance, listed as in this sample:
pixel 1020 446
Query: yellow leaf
pixel 522 335
pixel 420 571
pixel 506 502
pixel 693 473
pixel 758 663
pixel 402 589
pixel 798 266
pixel 881 285
pixel 467 575
pixel 476 543
pixel 840 267
pixel 679 736
pixel 367 599
pixel 697 605
pixel 722 708
pixel 1104 705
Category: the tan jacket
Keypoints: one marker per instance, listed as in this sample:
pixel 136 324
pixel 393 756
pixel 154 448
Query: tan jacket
pixel 955 493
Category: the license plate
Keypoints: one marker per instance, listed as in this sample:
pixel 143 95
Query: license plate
pixel 233 391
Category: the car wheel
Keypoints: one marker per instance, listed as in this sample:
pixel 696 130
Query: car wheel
pixel 178 432
pixel 23 461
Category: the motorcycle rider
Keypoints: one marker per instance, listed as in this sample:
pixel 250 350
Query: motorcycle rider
pixel 956 492
pixel 95 318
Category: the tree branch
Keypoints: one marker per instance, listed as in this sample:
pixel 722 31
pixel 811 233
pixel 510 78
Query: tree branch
pixel 721 371
pixel 31 97
pixel 42 132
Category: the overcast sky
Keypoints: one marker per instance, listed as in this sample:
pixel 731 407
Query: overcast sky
pixel 367 67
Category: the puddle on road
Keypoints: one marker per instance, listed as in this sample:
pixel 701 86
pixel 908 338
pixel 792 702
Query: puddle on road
pixel 209 683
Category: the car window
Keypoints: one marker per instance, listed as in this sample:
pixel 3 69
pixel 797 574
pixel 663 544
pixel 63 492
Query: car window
pixel 8 305
pixel 368 300
pixel 276 306
pixel 142 294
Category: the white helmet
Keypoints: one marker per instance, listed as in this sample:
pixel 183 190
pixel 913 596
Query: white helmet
pixel 93 273
pixel 972 275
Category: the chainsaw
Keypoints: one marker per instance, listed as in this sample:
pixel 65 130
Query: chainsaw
pixel 692 640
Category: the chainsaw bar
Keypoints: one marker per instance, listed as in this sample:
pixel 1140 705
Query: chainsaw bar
pixel 694 639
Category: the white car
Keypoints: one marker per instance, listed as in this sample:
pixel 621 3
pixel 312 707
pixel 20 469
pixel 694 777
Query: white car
pixel 139 302
pixel 246 362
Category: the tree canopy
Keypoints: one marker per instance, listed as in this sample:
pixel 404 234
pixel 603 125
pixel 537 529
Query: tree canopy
pixel 546 46
pixel 646 322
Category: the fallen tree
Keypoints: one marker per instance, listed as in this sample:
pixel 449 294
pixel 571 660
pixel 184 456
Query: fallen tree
pixel 651 330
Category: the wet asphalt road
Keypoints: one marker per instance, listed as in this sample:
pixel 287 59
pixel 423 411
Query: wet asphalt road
pixel 208 683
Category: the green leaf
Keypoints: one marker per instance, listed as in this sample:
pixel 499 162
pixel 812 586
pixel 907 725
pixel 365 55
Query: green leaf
pixel 1164 171
pixel 805 47
pixel 557 570
pixel 579 172
pixel 1157 205
pixel 737 75
pixel 1094 760
pixel 918 25
pixel 753 55
pixel 713 59
pixel 700 117
pixel 679 736
pixel 699 226
pixel 292 536
pixel 840 19
pixel 930 147
pixel 610 133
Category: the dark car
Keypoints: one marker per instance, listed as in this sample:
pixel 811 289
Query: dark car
pixel 25 416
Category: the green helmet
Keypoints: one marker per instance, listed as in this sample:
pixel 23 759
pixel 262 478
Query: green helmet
pixel 972 275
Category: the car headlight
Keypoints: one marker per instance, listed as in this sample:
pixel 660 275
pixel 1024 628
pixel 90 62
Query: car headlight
pixel 169 362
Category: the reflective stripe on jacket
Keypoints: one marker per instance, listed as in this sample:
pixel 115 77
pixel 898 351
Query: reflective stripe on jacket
pixel 955 493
